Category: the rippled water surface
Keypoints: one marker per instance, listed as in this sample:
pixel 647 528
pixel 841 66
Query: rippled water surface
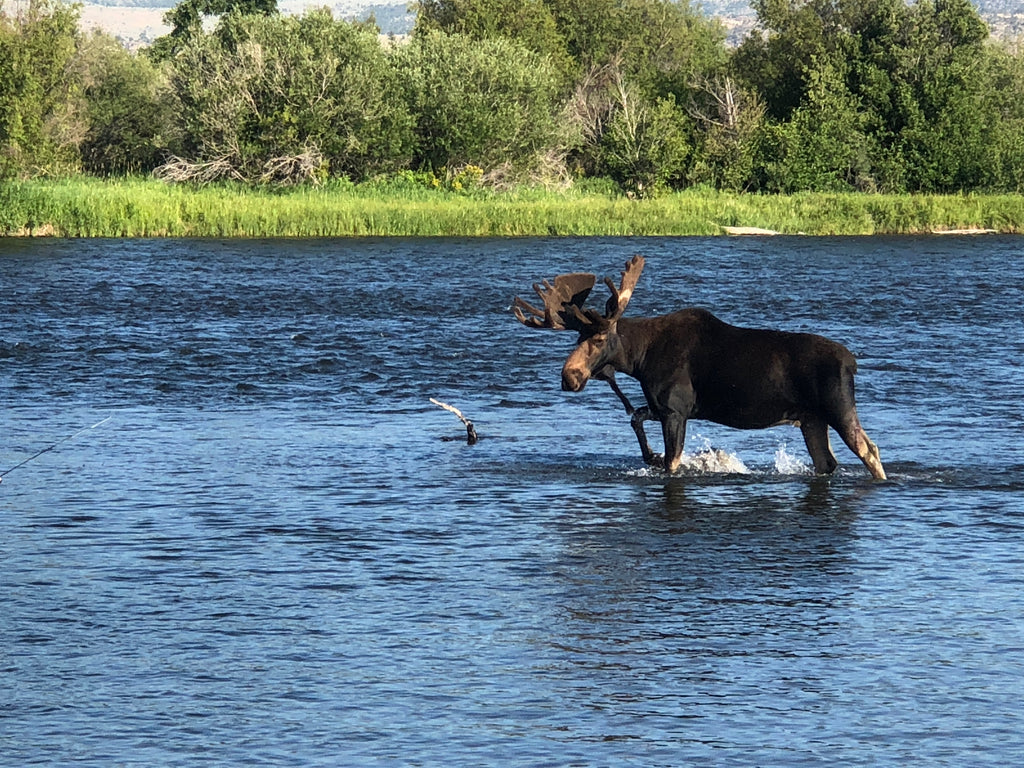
pixel 276 551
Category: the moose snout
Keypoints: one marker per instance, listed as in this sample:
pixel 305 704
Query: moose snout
pixel 573 380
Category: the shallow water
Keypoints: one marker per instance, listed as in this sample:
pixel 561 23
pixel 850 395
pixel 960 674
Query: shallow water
pixel 276 550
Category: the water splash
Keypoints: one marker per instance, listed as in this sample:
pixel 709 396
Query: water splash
pixel 707 459
pixel 788 464
pixel 710 460
pixel 715 460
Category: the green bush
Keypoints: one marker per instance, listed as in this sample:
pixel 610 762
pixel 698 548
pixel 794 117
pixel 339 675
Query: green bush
pixel 644 145
pixel 283 98
pixel 40 98
pixel 128 109
pixel 477 102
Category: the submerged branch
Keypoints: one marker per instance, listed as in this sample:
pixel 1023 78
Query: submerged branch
pixel 471 436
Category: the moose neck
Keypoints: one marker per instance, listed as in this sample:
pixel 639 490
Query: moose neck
pixel 633 340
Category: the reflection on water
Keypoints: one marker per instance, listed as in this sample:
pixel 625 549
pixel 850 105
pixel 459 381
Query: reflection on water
pixel 273 552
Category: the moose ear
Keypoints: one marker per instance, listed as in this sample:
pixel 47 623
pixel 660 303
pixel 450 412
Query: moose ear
pixel 585 321
pixel 612 305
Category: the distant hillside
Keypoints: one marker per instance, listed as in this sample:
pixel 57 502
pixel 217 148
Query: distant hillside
pixel 139 22
pixel 1005 18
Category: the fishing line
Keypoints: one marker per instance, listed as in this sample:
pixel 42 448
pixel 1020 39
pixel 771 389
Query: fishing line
pixel 51 447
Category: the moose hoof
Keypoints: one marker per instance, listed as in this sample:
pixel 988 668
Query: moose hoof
pixel 655 460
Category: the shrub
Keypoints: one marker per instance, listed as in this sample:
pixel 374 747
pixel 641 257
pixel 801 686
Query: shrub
pixel 477 102
pixel 280 98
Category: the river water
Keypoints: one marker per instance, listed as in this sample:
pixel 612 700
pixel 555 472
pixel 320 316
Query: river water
pixel 258 543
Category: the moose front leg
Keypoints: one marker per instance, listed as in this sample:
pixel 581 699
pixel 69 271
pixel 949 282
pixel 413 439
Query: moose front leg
pixel 637 417
pixel 636 421
pixel 608 374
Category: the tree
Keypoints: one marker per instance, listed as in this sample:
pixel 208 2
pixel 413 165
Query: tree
pixel 728 125
pixel 186 21
pixel 923 80
pixel 823 146
pixel 666 45
pixel 658 44
pixel 644 146
pixel 489 103
pixel 639 142
pixel 41 118
pixel 528 22
pixel 774 61
pixel 284 98
pixel 127 104
pixel 946 142
pixel 904 92
pixel 1006 90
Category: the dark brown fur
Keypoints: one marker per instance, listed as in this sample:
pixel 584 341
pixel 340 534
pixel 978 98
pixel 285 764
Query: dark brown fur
pixel 691 365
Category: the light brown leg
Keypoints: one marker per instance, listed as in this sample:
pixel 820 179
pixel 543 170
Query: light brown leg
pixel 866 451
pixel 844 420
pixel 857 439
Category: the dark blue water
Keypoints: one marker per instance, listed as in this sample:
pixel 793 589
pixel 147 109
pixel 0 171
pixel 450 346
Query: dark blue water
pixel 276 551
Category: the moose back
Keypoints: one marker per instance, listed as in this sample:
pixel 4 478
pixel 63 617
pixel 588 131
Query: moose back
pixel 691 365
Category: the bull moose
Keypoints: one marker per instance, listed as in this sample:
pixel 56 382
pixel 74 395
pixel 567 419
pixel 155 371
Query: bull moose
pixel 691 365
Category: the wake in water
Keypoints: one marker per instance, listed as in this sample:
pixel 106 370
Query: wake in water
pixel 708 460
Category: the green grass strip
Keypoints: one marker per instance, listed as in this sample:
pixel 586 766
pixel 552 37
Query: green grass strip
pixel 87 207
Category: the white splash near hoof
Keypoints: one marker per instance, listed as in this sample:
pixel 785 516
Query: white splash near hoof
pixel 788 464
pixel 714 461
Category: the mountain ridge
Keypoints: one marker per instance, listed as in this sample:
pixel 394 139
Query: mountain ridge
pixel 140 22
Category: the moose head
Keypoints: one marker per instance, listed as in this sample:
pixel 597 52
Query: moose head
pixel 564 311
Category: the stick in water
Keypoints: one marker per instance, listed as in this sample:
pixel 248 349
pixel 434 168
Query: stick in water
pixel 51 447
pixel 471 437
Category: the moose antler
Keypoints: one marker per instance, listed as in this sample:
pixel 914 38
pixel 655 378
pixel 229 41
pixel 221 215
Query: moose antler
pixel 562 299
pixel 620 297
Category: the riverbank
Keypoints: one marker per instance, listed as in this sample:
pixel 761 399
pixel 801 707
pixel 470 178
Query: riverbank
pixel 84 207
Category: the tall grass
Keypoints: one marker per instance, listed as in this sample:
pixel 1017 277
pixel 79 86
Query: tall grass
pixel 84 207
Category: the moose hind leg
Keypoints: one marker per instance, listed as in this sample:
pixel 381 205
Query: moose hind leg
pixel 843 418
pixel 673 426
pixel 816 438
pixel 857 439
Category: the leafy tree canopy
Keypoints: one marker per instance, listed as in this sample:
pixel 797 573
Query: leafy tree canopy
pixel 40 98
pixel 489 103
pixel 528 22
pixel 288 98
pixel 186 20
